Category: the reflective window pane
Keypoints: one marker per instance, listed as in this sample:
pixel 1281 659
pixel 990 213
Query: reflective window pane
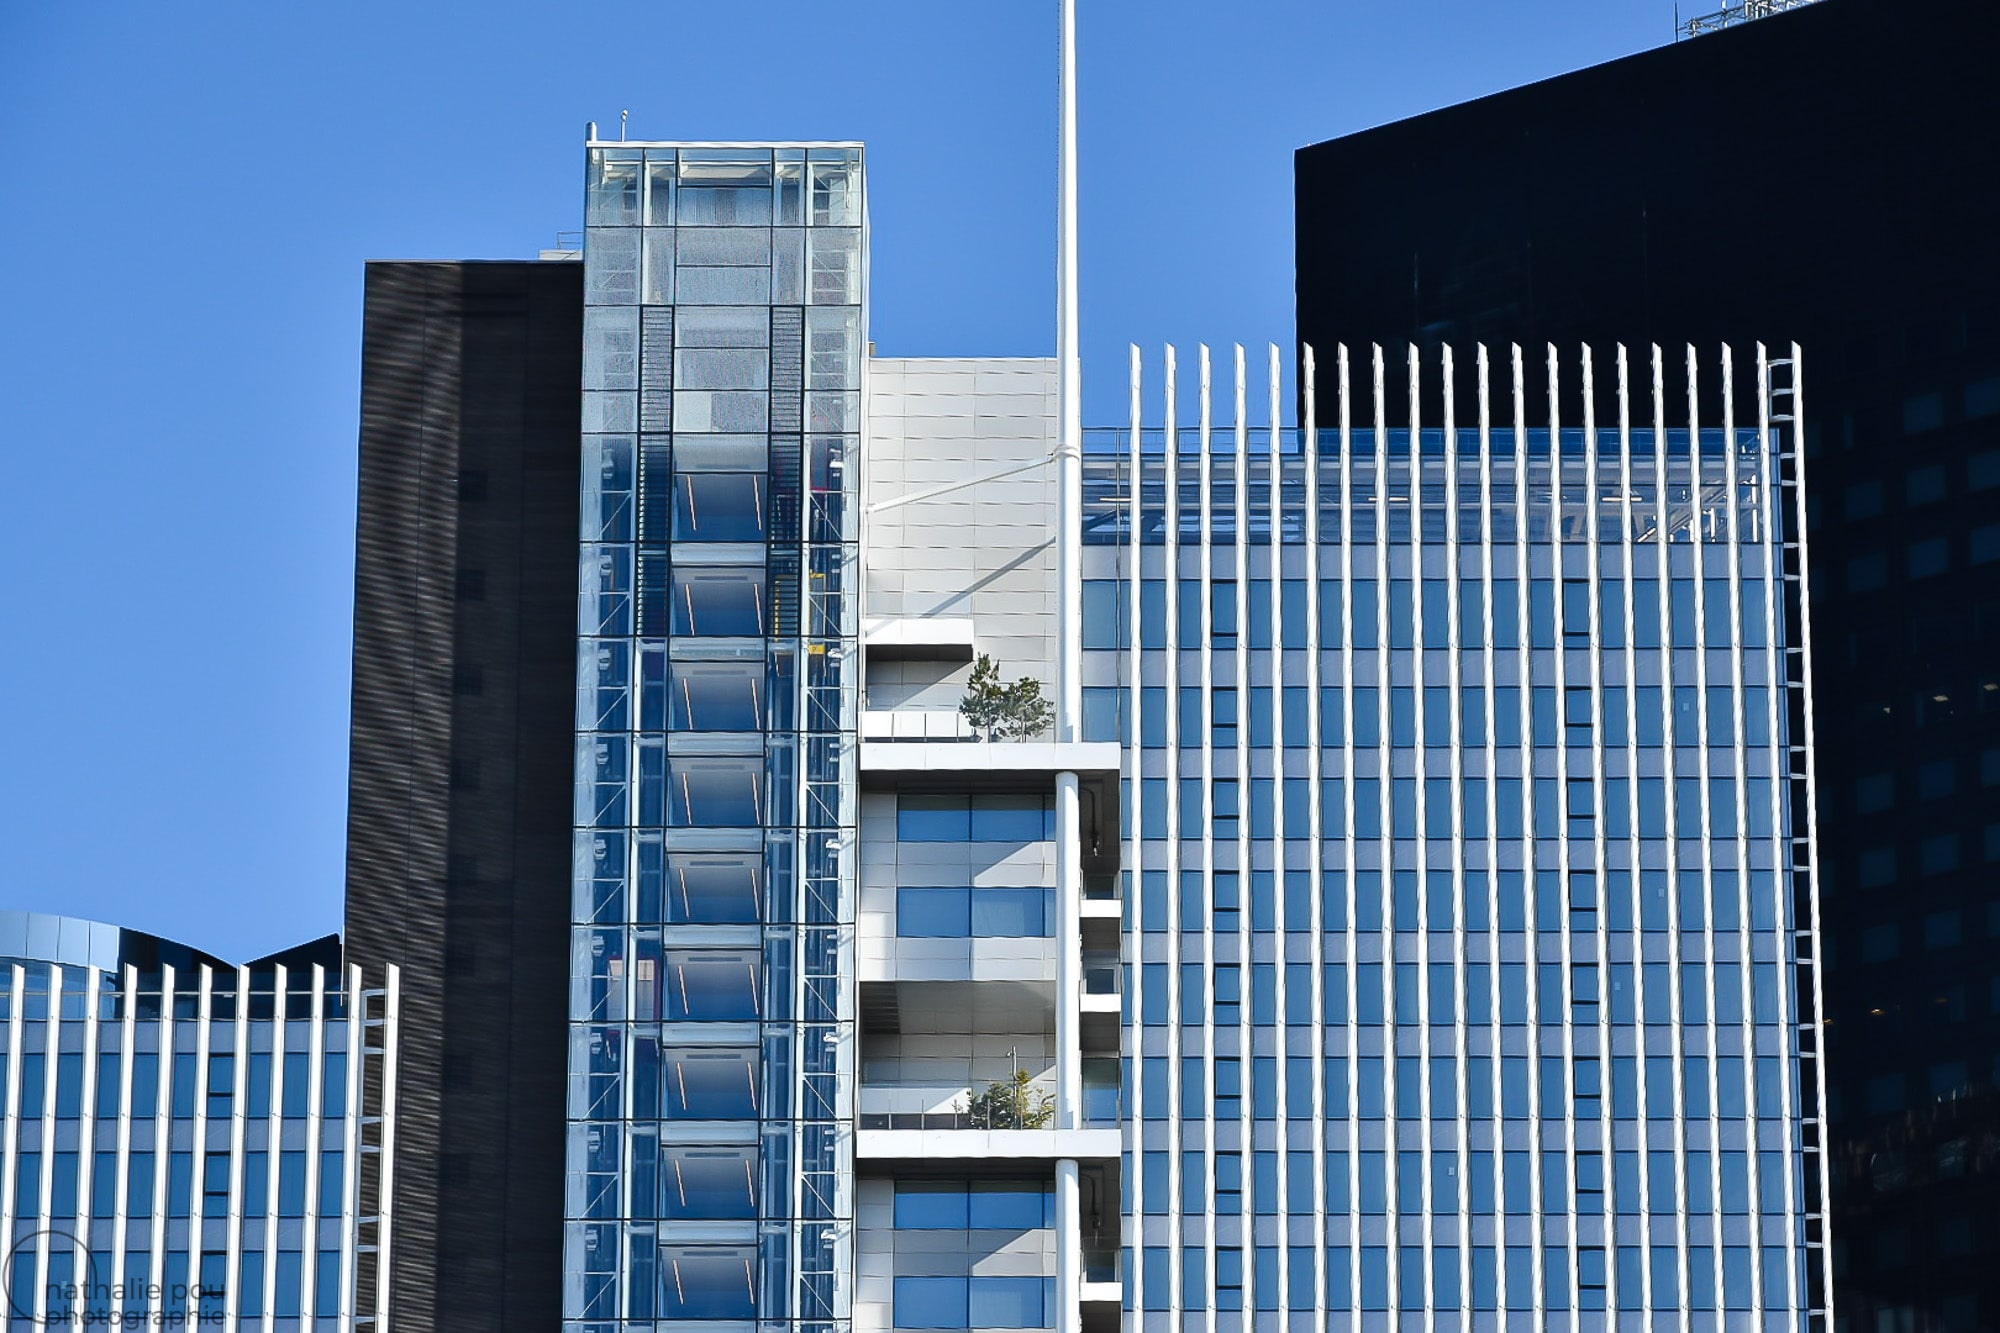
pixel 715 793
pixel 708 1282
pixel 706 985
pixel 708 1083
pixel 724 188
pixel 719 506
pixel 930 1205
pixel 1008 817
pixel 933 818
pixel 719 603
pixel 717 697
pixel 708 1183
pixel 712 889
pixel 933 913
pixel 1016 913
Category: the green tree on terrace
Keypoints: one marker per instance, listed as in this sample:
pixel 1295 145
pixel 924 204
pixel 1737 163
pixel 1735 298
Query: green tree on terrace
pixel 1001 710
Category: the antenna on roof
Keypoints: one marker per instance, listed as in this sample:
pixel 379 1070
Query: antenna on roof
pixel 622 115
pixel 1735 14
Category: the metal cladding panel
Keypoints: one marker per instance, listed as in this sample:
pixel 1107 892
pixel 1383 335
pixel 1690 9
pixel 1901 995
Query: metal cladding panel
pixel 464 682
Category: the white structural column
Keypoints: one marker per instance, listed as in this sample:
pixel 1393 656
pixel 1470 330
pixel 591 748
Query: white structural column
pixel 1069 700
pixel 1069 1248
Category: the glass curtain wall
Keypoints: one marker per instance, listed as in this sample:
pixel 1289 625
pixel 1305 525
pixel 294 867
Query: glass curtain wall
pixel 1470 980
pixel 181 1148
pixel 709 1153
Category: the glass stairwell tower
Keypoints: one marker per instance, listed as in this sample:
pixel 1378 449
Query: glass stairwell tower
pixel 711 1068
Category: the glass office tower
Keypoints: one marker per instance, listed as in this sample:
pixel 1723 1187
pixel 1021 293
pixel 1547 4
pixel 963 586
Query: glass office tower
pixel 184 1140
pixel 1469 893
pixel 710 1158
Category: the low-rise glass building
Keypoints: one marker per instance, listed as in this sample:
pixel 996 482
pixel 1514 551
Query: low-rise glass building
pixel 184 1140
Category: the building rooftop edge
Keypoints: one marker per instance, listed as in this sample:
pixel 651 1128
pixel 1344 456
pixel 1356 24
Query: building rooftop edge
pixel 69 941
pixel 724 143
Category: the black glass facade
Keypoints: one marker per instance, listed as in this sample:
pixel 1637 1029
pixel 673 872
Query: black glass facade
pixel 1828 177
pixel 458 859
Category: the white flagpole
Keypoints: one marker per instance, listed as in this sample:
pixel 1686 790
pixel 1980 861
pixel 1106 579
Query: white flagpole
pixel 1069 390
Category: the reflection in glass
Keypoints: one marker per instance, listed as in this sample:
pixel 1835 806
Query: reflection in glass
pixel 717 697
pixel 719 603
pixel 708 1183
pixel 716 793
pixel 707 1282
pixel 614 188
pixel 660 192
pixel 724 193
pixel 708 889
pixel 981 913
pixel 708 1083
pixel 718 507
pixel 705 985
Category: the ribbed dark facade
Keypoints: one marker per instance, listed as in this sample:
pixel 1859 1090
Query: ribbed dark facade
pixel 458 856
pixel 1830 176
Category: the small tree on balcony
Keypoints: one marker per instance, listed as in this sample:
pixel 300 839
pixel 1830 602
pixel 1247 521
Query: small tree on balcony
pixel 1002 710
pixel 1011 1103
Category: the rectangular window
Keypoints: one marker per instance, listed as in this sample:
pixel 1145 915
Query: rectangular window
pixel 714 1282
pixel 1153 614
pixel 184 1081
pixel 1611 613
pixel 1190 629
pixel 145 1084
pixel 139 1184
pixel 1103 713
pixel 1222 601
pixel 180 1184
pixel 716 696
pixel 1576 613
pixel 1541 614
pixel 256 1184
pixel 62 1185
pixel 712 602
pixel 1577 722
pixel 221 1085
pixel 1330 603
pixel 1106 614
pixel 291 1184
pixel 107 1085
pixel 944 913
pixel 327 1289
pixel 215 1185
pixel 285 1290
pixel 1506 613
pixel 715 792
pixel 708 1083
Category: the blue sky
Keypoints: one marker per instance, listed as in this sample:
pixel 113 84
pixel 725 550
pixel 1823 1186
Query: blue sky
pixel 188 192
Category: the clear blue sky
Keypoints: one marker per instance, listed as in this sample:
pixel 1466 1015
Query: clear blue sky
pixel 188 192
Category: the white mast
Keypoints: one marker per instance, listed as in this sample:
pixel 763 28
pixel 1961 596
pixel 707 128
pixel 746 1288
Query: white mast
pixel 1069 391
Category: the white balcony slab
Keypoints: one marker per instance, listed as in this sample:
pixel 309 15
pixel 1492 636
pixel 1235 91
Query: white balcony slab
pixel 938 638
pixel 921 759
pixel 958 1145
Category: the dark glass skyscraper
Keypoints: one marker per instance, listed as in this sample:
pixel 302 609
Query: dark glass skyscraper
pixel 1830 176
pixel 458 859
